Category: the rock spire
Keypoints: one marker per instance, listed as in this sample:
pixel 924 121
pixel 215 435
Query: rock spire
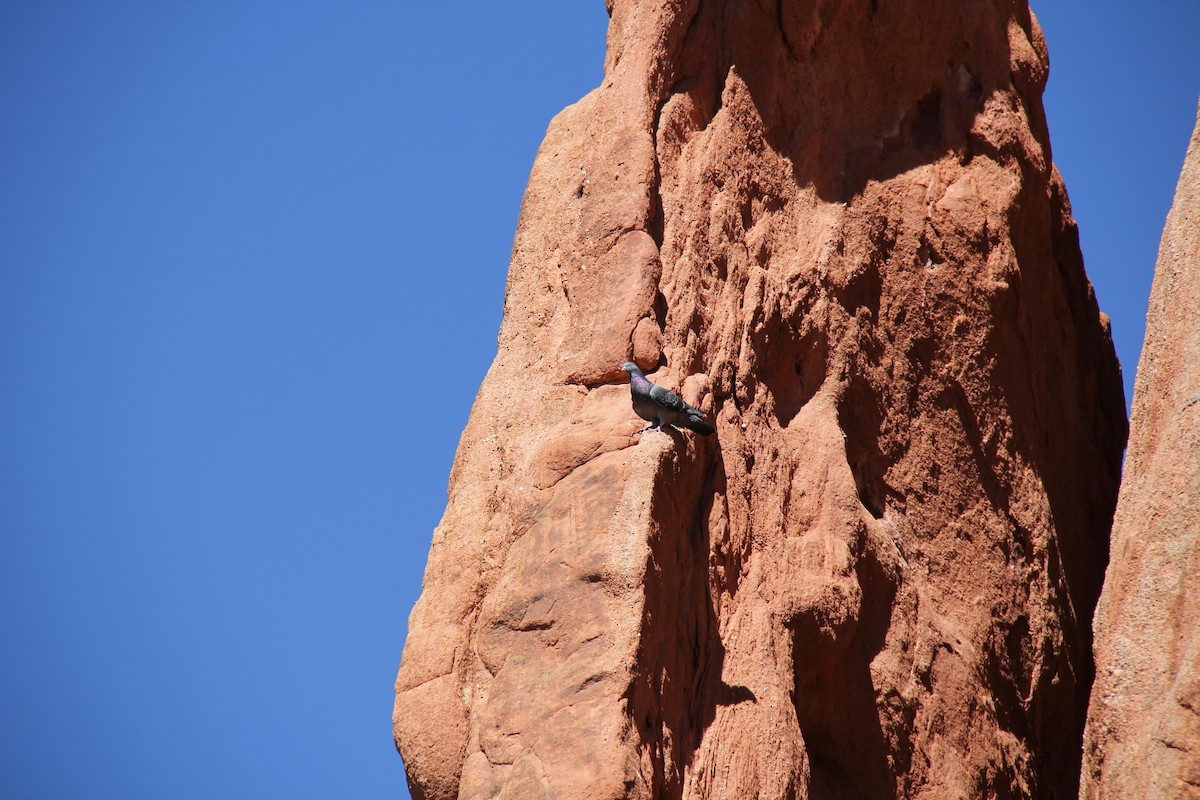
pixel 840 220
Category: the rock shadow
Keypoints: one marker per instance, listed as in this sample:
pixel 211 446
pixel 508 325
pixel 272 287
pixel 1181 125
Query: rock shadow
pixel 677 686
pixel 916 104
pixel 837 705
pixel 1067 411
pixel 792 357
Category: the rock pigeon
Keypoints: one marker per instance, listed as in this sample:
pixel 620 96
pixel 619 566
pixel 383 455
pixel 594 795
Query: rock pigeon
pixel 659 407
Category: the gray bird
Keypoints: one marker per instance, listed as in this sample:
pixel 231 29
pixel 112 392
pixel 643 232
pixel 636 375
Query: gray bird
pixel 659 407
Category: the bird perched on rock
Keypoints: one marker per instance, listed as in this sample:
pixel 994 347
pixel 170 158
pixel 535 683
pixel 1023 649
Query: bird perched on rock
pixel 660 407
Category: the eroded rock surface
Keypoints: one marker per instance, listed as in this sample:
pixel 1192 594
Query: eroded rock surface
pixel 1143 733
pixel 836 227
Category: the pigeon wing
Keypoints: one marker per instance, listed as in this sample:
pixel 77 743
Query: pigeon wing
pixel 669 401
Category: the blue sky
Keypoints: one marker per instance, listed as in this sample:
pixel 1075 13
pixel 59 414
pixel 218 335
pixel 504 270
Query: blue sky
pixel 252 261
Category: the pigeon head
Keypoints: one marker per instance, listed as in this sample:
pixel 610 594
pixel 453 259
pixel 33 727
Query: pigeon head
pixel 631 368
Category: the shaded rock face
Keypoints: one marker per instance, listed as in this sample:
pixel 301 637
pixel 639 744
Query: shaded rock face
pixel 834 226
pixel 1143 731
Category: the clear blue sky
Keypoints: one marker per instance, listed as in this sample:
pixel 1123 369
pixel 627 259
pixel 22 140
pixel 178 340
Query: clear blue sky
pixel 252 260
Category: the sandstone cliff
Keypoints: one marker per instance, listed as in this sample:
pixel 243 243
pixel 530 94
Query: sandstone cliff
pixel 836 227
pixel 1143 733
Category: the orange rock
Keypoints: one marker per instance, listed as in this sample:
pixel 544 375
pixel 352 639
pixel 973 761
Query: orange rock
pixel 1143 731
pixel 836 226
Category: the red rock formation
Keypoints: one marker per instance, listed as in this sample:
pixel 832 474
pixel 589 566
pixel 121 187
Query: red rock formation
pixel 1143 732
pixel 836 227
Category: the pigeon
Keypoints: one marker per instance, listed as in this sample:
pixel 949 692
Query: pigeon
pixel 659 407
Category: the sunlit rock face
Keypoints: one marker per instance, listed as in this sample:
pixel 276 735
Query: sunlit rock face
pixel 1143 732
pixel 835 227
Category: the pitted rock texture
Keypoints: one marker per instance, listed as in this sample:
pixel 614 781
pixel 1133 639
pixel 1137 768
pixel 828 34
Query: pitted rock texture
pixel 1143 732
pixel 836 228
